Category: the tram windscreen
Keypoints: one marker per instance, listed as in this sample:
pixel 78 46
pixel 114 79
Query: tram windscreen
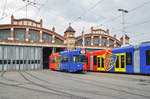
pixel 83 58
pixel 79 58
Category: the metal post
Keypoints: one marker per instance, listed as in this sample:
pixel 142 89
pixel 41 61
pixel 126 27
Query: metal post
pixel 83 38
pixel 123 23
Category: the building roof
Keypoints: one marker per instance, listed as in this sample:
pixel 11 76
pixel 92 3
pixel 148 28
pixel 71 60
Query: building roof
pixel 70 29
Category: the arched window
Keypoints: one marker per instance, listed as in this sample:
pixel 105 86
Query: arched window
pixel 4 34
pixel 111 43
pixel 57 40
pixel 96 41
pixel 19 34
pixel 79 42
pixel 104 41
pixel 87 41
pixel 34 35
pixel 46 37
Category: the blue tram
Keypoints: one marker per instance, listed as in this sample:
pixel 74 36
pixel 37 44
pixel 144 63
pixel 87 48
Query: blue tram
pixel 71 60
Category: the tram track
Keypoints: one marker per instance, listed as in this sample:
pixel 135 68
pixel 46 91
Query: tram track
pixel 55 92
pixel 2 74
pixel 97 84
pixel 20 83
pixel 52 89
pixel 81 90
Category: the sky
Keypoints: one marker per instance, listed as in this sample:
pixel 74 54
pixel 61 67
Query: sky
pixel 82 14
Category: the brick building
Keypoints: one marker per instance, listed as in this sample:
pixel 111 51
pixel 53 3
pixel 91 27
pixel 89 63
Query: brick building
pixel 26 45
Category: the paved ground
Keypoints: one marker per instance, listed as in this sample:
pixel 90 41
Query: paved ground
pixel 59 85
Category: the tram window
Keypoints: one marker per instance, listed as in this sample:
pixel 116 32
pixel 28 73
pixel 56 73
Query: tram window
pixel 95 60
pixel 53 60
pixel 148 57
pixel 9 61
pixel 122 61
pixel 70 58
pixel 98 61
pixel 129 58
pixel 83 58
pixel 102 62
pixel 117 62
pixel 76 58
pixel 5 61
pixel 64 59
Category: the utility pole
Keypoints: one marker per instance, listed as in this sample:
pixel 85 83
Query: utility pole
pixel 83 37
pixel 123 24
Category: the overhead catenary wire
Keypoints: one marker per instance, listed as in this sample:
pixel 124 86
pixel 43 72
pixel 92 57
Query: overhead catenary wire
pixel 14 11
pixel 4 8
pixel 131 10
pixel 134 25
pixel 88 10
pixel 39 8
pixel 140 6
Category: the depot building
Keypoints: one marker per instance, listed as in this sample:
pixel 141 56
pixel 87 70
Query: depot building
pixel 26 45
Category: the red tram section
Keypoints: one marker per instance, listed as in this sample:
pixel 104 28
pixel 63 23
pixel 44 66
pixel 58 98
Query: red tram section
pixel 53 61
pixel 98 60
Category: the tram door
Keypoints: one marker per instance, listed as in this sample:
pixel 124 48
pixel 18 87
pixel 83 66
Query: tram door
pixel 100 62
pixel 120 65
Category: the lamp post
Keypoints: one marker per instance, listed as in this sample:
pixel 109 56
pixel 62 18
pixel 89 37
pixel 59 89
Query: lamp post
pixel 123 24
pixel 83 39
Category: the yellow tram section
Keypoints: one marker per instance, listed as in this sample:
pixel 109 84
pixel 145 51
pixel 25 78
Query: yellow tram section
pixel 120 65
pixel 106 62
pixel 100 63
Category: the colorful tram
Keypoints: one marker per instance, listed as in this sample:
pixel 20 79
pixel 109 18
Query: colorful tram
pixel 71 60
pixel 129 59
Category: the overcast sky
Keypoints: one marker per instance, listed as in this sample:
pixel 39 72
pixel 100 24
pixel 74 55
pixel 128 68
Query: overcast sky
pixel 83 14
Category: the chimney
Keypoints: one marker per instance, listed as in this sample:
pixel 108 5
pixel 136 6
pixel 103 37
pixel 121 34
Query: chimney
pixel 127 40
pixel 12 20
pixel 115 36
pixel 53 29
pixel 107 31
pixel 41 23
pixel 92 29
